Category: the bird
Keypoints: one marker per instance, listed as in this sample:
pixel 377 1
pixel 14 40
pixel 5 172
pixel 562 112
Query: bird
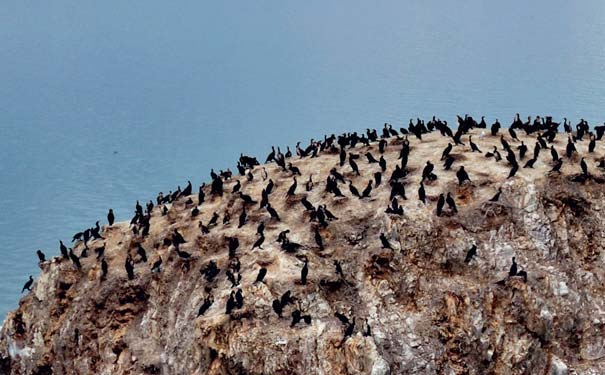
pixel 557 166
pixel 446 151
pixel 28 284
pixel 449 160
pixel 584 167
pixel 385 242
pixel 366 192
pixel 353 189
pixel 496 197
pixel 63 250
pixel 530 163
pixel 462 175
pixel 272 212
pixel 75 260
pixel 208 301
pixel 157 265
pixel 110 217
pixel 450 202
pixel 554 154
pixel 236 187
pixel 421 193
pixel 304 272
pixel 343 318
pixel 440 204
pixel 246 198
pixel 142 253
pixel 277 307
pixel 318 239
pixel 470 254
pixel 292 188
pixel 242 218
pixel 383 163
pixel 513 268
pixel 259 242
pixel 41 256
pixel 474 147
pixel 261 275
pixel 182 254
pixel 104 268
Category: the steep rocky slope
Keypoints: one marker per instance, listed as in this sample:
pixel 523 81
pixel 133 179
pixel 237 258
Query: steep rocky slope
pixel 428 311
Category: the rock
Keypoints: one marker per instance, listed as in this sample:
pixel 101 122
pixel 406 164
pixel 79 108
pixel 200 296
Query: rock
pixel 429 311
pixel 557 366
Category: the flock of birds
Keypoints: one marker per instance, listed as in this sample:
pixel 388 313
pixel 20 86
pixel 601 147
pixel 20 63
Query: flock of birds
pixel 544 129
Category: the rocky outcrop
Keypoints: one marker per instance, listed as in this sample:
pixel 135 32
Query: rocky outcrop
pixel 419 307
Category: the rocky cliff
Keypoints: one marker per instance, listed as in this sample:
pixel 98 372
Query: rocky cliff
pixel 419 308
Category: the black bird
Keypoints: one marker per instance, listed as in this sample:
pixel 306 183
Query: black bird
pixel 242 218
pixel 349 331
pixel 530 163
pixel 512 133
pixel 513 170
pixel 294 169
pixel 353 189
pixel 353 165
pixel 41 256
pixel 74 259
pixel 440 204
pixel 272 212
pixel 428 170
pixel 318 240
pixel 277 307
pixel 269 187
pixel 522 150
pixel 449 160
pixel 214 219
pixel 366 192
pixel 100 251
pixel 557 167
pixel 304 272
pixel 496 197
pixel 177 238
pixel 474 147
pixel 592 145
pixel 142 253
pixel 104 269
pixel 307 204
pixel 295 318
pixel 382 163
pixel 28 284
pixel 259 242
pixel 371 158
pixel 231 304
pixel 450 202
pixel 261 275
pixel 470 254
pixel 462 175
pixel 378 178
pixel 182 254
pixel 422 193
pixel 343 318
pixel 157 265
pixel 63 250
pixel 584 167
pixel 208 301
pixel 128 264
pixel 239 299
pixel 246 198
pixel 513 268
pixel 338 269
pixel 385 242
pixel 554 154
pixel 292 188
pixel 110 217
pixel 237 186
pixel 446 151
pixel 523 274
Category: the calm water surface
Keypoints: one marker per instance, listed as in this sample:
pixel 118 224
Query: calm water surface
pixel 176 89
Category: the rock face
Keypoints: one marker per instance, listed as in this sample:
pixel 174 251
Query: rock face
pixel 428 311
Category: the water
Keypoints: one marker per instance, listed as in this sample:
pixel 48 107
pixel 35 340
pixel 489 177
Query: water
pixel 178 89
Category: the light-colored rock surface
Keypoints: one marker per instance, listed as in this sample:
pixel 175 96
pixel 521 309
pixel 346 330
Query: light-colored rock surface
pixel 429 312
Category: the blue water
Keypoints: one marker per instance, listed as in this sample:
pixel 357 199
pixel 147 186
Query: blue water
pixel 178 88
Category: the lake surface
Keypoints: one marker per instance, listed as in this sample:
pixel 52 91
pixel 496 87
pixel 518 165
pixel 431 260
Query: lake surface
pixel 177 88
